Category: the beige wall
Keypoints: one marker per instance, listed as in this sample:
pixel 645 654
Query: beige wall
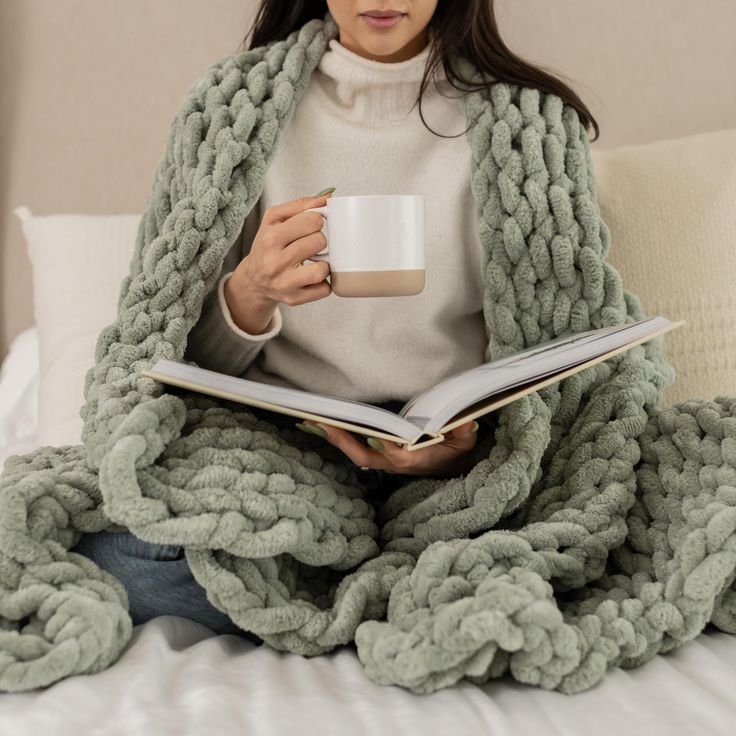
pixel 88 89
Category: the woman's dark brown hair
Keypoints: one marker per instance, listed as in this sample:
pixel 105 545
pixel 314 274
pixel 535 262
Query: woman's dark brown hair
pixel 468 27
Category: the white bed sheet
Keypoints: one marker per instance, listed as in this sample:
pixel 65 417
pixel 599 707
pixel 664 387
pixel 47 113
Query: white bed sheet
pixel 177 677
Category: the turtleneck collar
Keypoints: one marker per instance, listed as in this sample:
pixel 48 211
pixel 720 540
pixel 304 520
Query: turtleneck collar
pixel 369 91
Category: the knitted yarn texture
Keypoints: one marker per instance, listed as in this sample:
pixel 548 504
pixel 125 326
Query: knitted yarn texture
pixel 596 529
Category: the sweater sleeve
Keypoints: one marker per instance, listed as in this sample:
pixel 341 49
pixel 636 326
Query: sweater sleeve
pixel 216 342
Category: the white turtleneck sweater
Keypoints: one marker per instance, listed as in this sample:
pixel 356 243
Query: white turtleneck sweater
pixel 353 129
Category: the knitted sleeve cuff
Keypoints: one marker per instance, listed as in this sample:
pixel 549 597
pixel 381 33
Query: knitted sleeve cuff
pixel 274 325
pixel 218 344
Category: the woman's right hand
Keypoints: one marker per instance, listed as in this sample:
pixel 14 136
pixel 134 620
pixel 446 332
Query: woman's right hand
pixel 273 271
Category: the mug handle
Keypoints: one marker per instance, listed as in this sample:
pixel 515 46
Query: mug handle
pixel 320 256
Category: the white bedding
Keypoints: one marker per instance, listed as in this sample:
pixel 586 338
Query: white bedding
pixel 177 677
pixel 18 395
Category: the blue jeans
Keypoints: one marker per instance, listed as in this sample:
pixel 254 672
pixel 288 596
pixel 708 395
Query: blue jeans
pixel 157 576
pixel 157 579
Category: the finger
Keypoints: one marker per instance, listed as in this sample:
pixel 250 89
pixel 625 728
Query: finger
pixel 465 430
pixel 305 247
pixel 401 459
pixel 310 273
pixel 280 212
pixel 300 226
pixel 353 448
pixel 311 293
pixel 408 462
pixel 307 283
pixel 458 442
pixel 445 457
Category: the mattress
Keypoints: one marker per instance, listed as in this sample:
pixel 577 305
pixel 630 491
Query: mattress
pixel 178 677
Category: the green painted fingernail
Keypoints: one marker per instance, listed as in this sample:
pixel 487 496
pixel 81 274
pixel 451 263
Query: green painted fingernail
pixel 375 444
pixel 325 191
pixel 311 429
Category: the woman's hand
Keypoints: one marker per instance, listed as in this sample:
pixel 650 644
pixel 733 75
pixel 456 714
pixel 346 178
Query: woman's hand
pixel 274 270
pixel 453 456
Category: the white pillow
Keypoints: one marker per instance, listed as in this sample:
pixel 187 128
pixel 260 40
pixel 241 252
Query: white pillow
pixel 671 208
pixel 79 262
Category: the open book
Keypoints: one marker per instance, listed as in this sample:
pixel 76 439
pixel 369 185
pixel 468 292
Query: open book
pixel 439 409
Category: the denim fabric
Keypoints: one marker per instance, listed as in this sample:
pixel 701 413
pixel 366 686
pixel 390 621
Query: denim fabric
pixel 157 576
pixel 157 579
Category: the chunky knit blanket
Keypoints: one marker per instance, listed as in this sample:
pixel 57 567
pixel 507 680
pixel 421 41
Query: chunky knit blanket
pixel 596 529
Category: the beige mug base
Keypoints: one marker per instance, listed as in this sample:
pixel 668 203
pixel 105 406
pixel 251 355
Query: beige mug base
pixel 399 282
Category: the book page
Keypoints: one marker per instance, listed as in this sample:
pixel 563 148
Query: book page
pixel 246 391
pixel 433 408
pixel 430 412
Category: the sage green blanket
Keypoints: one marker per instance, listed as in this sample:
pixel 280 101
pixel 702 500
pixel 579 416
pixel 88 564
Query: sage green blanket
pixel 596 529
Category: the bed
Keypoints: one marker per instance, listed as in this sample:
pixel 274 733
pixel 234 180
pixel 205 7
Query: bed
pixel 178 677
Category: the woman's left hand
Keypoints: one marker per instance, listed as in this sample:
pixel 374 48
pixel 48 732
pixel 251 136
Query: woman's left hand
pixel 452 456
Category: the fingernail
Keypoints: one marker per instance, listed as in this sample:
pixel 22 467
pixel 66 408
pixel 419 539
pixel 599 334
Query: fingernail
pixel 475 426
pixel 375 444
pixel 329 190
pixel 311 429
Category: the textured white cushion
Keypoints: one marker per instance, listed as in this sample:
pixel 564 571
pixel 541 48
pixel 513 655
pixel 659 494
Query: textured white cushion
pixel 78 264
pixel 671 209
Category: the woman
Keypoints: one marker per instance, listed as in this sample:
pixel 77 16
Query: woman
pixel 371 123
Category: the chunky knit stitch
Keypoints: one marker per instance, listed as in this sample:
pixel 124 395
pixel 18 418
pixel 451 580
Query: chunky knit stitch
pixel 597 529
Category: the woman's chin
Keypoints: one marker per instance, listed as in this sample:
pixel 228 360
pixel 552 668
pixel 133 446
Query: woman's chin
pixel 380 48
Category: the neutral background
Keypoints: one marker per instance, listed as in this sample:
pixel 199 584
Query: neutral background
pixel 88 89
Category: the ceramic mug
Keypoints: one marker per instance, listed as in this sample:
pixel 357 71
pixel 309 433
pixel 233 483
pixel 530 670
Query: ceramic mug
pixel 375 244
